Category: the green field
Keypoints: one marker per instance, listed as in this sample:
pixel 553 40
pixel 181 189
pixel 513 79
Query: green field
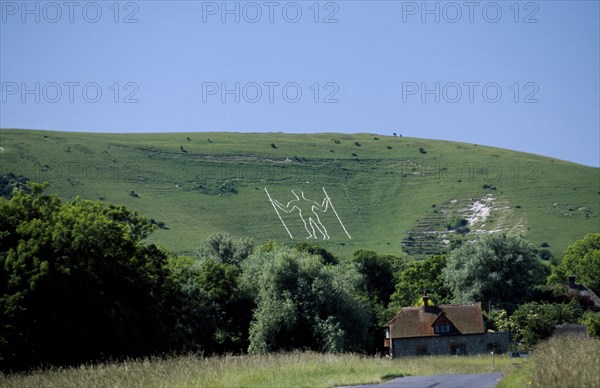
pixel 392 194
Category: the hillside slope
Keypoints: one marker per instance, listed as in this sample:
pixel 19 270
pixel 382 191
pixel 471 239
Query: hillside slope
pixel 390 194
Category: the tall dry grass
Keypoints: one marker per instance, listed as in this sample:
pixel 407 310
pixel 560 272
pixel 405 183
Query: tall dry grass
pixel 566 362
pixel 560 362
pixel 297 369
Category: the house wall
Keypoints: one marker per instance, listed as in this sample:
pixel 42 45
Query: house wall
pixel 445 345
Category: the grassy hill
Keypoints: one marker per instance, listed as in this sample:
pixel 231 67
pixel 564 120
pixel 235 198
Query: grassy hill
pixel 391 194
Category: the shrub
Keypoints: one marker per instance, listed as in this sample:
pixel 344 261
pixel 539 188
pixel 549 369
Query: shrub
pixel 545 254
pixel 592 321
pixel 457 223
pixel 534 321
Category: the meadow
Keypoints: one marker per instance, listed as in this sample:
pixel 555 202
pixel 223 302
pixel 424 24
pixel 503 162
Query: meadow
pixel 558 362
pixel 393 194
pixel 298 369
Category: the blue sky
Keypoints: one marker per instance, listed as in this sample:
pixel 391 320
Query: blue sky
pixel 518 75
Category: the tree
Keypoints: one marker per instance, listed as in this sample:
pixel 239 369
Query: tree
pixel 77 283
pixel 419 276
pixel 496 268
pixel 378 275
pixel 375 289
pixel 217 313
pixel 581 259
pixel 533 322
pixel 198 316
pixel 221 247
pixel 328 257
pixel 302 303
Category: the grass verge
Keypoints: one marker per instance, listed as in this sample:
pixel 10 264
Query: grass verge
pixel 277 370
pixel 559 362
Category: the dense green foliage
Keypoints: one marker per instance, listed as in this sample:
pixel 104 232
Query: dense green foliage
pixel 303 303
pixel 592 321
pixel 496 268
pixel 419 276
pixel 77 283
pixel 221 247
pixel 533 321
pixel 581 259
pixel 378 277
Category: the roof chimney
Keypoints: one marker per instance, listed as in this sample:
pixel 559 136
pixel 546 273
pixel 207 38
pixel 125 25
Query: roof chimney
pixel 572 282
pixel 425 298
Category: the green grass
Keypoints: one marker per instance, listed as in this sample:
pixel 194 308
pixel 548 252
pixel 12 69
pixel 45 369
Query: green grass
pixel 277 370
pixel 559 363
pixel 384 195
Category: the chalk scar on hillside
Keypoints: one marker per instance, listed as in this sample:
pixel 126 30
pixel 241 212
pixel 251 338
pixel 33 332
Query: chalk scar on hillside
pixel 308 211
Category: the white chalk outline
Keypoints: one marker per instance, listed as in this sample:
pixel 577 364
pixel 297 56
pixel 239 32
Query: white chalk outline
pixel 322 208
pixel 278 215
pixel 338 217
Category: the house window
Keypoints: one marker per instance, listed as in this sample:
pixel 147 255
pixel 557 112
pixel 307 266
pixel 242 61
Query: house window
pixel 442 328
pixel 458 349
pixel 421 350
pixel 387 332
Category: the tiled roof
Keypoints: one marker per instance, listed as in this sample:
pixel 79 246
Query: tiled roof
pixel 417 321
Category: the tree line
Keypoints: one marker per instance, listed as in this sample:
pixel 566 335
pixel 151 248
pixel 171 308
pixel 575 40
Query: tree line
pixel 79 283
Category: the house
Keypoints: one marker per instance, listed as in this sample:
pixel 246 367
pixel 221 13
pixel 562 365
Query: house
pixel 443 329
pixel 587 298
